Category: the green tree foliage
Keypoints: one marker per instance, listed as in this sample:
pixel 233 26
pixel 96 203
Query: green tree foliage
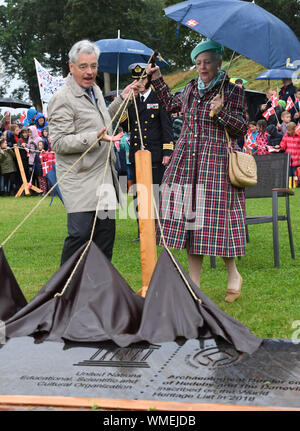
pixel 47 29
pixel 19 42
pixel 286 10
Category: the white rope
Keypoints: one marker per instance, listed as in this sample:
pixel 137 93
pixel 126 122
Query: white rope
pixel 172 257
pixel 124 106
pixel 97 206
pixel 125 102
pixel 159 223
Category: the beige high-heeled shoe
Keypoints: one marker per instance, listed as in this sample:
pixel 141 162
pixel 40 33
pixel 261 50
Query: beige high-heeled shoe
pixel 232 295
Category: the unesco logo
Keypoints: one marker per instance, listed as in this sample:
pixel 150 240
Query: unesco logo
pixel 213 357
pixel 110 355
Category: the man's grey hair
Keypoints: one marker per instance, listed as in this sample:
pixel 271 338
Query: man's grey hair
pixel 82 47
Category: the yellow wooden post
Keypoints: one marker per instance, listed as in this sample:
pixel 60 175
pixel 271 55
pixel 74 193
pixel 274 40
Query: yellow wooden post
pixel 144 181
pixel 24 187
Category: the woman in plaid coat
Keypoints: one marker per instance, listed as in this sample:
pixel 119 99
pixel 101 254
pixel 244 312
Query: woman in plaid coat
pixel 200 209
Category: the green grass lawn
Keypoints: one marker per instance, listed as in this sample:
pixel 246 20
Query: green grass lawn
pixel 271 297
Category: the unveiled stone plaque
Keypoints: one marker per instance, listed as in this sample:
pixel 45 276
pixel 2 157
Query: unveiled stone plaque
pixel 197 371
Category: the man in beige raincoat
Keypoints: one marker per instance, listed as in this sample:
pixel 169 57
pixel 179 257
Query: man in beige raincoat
pixel 77 116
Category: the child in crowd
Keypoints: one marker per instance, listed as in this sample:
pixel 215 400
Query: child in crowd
pixel 261 141
pixel 285 119
pixel 295 111
pixel 6 123
pixel 12 135
pixel 32 146
pixel 290 143
pixel 24 152
pixel 40 121
pixel 46 140
pixel 29 120
pixel 24 135
pixel 274 137
pixel 250 138
pixel 42 181
pixel 8 167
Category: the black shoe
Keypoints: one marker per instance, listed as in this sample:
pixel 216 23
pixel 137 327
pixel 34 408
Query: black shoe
pixel 136 239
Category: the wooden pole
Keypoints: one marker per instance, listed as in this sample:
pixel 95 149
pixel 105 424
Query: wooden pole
pixel 24 187
pixel 144 181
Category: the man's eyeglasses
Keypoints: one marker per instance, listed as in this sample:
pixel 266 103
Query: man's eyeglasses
pixel 84 67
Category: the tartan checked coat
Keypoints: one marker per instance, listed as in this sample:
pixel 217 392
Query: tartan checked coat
pixel 198 203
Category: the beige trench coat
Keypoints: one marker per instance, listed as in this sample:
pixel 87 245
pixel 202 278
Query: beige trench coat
pixel 74 121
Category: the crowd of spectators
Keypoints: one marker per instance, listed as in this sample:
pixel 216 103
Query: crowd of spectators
pixel 277 127
pixel 273 130
pixel 32 139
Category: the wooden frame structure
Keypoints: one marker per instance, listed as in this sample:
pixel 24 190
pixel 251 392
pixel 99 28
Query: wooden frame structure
pixel 123 404
pixel 25 186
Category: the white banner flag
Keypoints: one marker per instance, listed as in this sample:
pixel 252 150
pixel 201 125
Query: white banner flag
pixel 48 84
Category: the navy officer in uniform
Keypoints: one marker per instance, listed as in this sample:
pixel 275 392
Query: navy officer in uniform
pixel 156 127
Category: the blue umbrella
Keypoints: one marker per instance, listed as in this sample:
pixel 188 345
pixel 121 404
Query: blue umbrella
pixel 116 55
pixel 279 74
pixel 242 26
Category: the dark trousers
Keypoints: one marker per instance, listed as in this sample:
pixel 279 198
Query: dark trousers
pixel 10 183
pixel 79 230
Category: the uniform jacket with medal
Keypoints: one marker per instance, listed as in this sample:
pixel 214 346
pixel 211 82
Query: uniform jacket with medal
pixel 156 128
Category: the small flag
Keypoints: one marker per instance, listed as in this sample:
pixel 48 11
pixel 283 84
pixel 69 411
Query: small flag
pixel 250 141
pixel 192 23
pixel 22 118
pixel 47 162
pixel 289 103
pixel 297 130
pixel 267 114
pixel 275 100
pixel 250 138
pixel 251 145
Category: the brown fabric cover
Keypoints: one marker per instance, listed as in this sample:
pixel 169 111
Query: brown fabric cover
pixel 98 305
pixel 171 311
pixel 11 296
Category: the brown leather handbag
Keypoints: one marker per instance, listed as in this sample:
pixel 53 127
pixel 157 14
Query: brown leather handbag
pixel 242 167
